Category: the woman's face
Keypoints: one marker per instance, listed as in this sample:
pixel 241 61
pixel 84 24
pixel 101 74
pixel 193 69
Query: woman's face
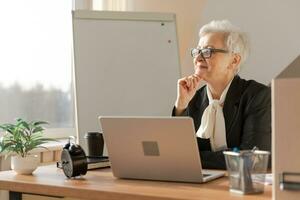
pixel 220 66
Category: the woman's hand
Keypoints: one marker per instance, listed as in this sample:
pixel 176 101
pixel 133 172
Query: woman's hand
pixel 186 89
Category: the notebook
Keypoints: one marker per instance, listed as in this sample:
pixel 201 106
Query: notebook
pixel 97 162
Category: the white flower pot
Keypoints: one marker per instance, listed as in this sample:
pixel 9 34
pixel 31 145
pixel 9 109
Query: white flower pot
pixel 24 165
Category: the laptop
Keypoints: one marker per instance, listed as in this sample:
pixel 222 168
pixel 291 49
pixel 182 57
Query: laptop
pixel 154 148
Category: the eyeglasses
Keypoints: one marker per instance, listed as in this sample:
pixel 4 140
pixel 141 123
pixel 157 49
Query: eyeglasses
pixel 206 52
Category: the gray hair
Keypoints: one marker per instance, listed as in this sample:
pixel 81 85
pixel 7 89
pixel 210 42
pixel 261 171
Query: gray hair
pixel 235 40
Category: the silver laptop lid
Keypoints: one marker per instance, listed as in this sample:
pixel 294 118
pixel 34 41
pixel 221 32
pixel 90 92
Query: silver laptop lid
pixel 155 148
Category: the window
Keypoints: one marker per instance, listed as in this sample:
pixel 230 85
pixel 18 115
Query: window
pixel 35 64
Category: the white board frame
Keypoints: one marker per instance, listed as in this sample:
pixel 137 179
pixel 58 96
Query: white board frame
pixel 155 81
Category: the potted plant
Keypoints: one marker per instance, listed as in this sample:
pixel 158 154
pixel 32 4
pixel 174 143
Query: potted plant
pixel 19 139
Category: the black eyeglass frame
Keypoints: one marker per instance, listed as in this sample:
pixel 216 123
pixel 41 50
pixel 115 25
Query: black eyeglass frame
pixel 211 51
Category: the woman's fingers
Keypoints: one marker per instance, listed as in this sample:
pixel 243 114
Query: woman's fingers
pixel 194 82
pixel 197 80
pixel 190 83
pixel 186 89
pixel 183 82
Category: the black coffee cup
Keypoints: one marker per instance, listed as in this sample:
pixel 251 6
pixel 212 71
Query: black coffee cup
pixel 95 144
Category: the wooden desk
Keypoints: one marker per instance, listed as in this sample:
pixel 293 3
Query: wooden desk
pixel 100 184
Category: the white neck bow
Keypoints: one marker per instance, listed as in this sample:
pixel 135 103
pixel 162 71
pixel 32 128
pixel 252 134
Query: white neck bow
pixel 212 122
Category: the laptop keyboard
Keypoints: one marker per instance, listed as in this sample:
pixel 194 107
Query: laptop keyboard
pixel 205 175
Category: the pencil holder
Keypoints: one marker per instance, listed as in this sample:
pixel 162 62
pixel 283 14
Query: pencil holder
pixel 247 170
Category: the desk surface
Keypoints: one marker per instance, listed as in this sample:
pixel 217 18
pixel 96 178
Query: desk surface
pixel 100 184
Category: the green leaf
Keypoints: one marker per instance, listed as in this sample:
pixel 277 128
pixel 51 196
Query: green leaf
pixel 7 127
pixel 37 123
pixel 23 124
pixel 38 129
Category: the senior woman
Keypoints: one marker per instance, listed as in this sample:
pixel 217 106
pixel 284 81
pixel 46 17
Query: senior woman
pixel 228 111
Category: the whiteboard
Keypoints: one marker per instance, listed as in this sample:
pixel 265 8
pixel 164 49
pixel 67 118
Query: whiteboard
pixel 125 64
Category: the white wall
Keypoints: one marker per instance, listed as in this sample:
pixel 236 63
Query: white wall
pixel 273 27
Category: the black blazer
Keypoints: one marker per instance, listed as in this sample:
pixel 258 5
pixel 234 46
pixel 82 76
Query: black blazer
pixel 247 113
